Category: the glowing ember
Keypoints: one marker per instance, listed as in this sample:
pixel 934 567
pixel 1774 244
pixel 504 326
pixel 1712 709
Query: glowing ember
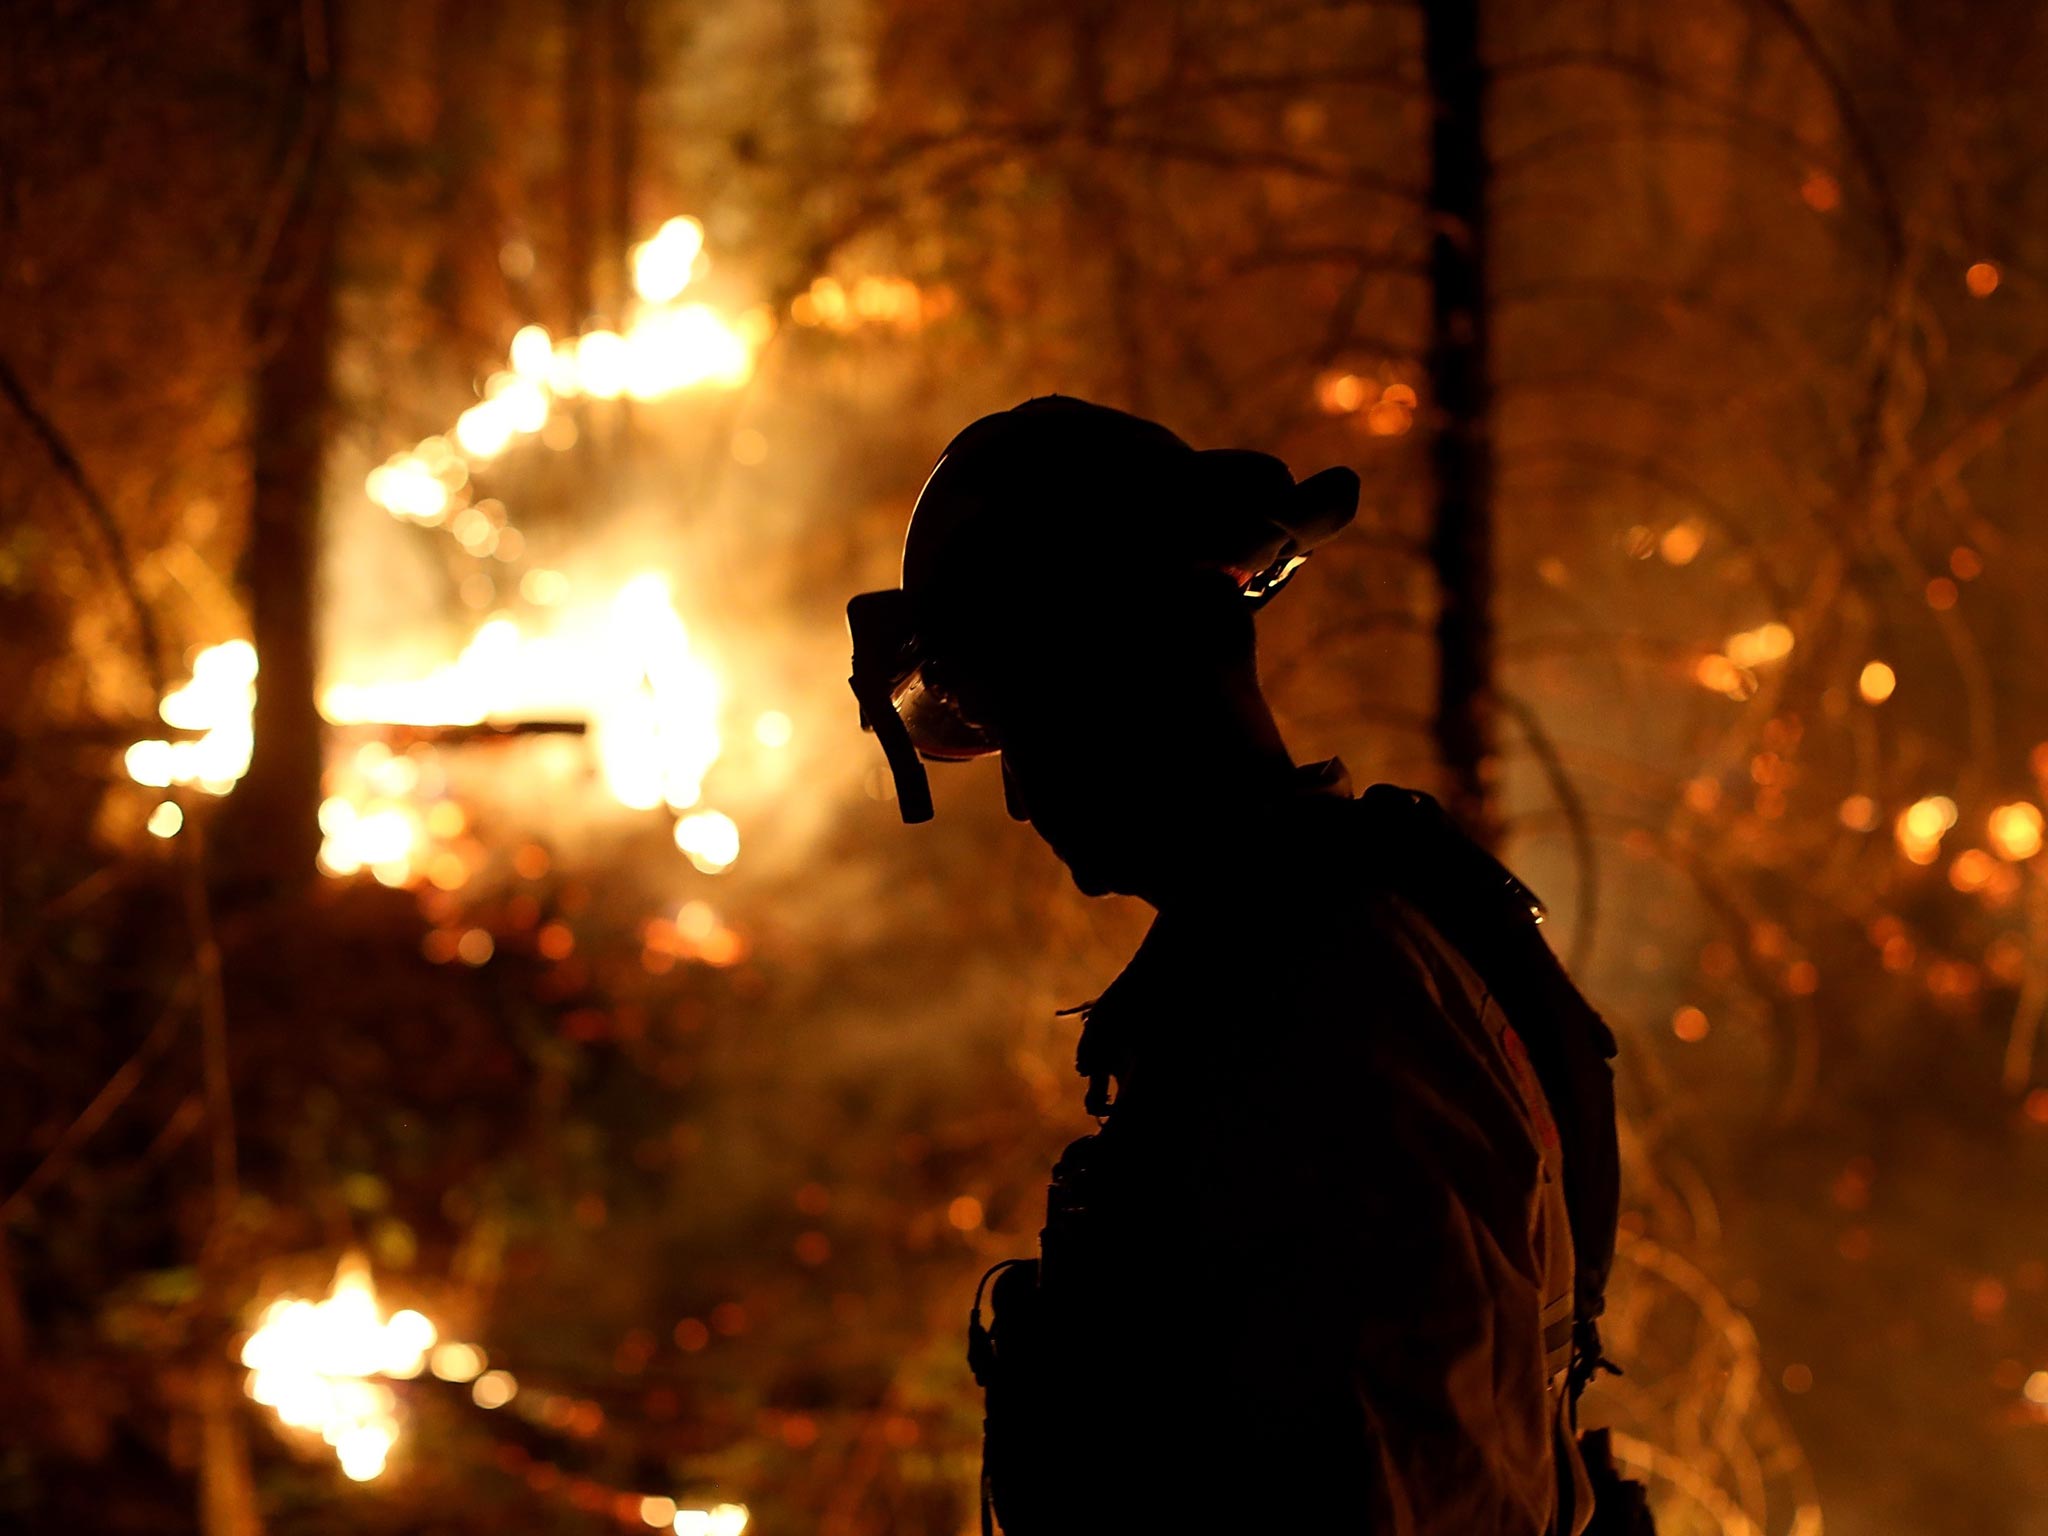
pixel 316 1364
pixel 1754 647
pixel 1722 676
pixel 2016 830
pixel 895 302
pixel 1922 825
pixel 1682 542
pixel 1341 393
pixel 494 1389
pixel 457 1362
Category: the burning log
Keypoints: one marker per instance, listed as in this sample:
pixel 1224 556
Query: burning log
pixel 399 736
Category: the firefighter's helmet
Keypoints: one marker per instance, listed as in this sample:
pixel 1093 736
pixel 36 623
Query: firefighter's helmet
pixel 1058 496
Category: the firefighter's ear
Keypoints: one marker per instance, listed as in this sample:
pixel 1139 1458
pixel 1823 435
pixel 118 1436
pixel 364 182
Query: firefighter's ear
pixel 1013 794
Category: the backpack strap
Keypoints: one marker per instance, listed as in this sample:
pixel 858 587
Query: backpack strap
pixel 1492 919
pixel 1100 1054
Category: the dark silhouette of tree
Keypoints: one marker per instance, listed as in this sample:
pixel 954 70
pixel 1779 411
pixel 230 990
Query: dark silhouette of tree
pixel 272 832
pixel 1458 367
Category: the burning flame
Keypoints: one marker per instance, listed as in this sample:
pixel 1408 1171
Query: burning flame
pixel 317 1362
pixel 218 703
pixel 626 667
pixel 667 347
pixel 322 1366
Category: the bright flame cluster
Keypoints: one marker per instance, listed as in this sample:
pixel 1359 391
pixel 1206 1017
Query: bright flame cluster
pixel 323 1367
pixel 317 1363
pixel 218 702
pixel 626 666
pixel 666 347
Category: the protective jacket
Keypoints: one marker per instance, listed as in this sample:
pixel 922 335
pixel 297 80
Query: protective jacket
pixel 1316 1272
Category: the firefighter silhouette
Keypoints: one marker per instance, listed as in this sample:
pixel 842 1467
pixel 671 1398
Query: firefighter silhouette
pixel 1335 1260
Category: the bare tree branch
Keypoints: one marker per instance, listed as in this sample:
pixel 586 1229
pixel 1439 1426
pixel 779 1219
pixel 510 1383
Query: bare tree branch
pixel 1572 806
pixel 100 1108
pixel 60 452
pixel 1980 432
pixel 1862 142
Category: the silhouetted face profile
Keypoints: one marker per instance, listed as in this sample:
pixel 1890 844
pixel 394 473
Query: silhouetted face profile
pixel 1132 731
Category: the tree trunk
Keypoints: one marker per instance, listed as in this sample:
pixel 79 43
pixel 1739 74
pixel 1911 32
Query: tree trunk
pixel 580 81
pixel 624 67
pixel 622 164
pixel 227 1490
pixel 270 831
pixel 1459 366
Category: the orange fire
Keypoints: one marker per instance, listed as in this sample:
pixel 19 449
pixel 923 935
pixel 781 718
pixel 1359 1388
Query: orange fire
pixel 322 1365
pixel 619 662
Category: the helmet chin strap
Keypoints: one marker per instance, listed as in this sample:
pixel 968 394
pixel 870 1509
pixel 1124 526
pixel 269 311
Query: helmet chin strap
pixel 878 714
pixel 884 653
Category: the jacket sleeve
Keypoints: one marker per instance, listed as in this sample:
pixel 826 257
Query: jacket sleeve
pixel 1403 1356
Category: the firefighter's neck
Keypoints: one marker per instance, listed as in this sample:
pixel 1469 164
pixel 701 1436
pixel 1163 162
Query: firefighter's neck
pixel 1225 801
